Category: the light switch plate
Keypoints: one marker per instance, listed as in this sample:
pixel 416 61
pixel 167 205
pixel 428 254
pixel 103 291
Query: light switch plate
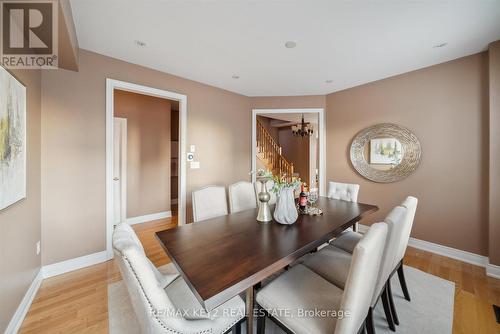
pixel 38 248
pixel 192 148
pixel 195 164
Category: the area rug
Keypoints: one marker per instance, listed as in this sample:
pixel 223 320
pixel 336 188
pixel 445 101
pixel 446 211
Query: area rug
pixel 430 310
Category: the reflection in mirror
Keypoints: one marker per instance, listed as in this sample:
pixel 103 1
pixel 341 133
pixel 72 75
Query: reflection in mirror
pixel 383 153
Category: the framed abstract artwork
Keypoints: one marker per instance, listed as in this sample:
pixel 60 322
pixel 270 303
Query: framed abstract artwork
pixel 12 139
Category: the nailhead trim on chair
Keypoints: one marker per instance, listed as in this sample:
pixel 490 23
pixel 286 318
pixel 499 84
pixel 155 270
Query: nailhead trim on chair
pixel 152 309
pixel 159 320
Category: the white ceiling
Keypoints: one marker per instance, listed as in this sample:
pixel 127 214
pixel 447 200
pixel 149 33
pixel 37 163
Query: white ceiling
pixel 348 42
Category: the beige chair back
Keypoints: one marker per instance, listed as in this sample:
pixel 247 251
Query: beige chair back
pixel 241 196
pixel 209 202
pixel 344 191
pixel 361 279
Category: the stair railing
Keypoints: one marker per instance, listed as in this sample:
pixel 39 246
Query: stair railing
pixel 271 152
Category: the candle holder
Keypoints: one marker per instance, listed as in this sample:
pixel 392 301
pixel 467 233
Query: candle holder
pixel 264 214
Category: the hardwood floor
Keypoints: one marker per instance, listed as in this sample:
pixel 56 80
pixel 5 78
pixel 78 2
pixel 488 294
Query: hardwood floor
pixel 76 302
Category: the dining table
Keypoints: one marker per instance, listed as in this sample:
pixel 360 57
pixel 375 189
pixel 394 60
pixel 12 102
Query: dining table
pixel 225 256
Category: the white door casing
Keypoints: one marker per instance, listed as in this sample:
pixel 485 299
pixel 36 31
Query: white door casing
pixel 119 170
pixel 111 85
pixel 322 139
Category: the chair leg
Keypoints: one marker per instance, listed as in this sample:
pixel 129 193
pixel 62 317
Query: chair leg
pixel 237 328
pixel 362 329
pixel 370 326
pixel 261 323
pixel 391 303
pixel 401 275
pixel 387 310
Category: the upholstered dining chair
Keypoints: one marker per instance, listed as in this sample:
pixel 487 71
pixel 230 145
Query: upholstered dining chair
pixel 172 308
pixel 347 241
pixel 209 202
pixel 332 264
pixel 301 290
pixel 241 196
pixel 344 191
pixel 126 231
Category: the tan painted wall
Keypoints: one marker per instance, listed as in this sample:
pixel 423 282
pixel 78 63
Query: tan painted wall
pixel 148 152
pixel 494 164
pixel 20 223
pixel 446 107
pixel 288 102
pixel 266 123
pixel 67 40
pixel 73 147
pixel 296 151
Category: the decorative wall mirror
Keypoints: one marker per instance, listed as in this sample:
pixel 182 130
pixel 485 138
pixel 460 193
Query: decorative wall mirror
pixel 385 153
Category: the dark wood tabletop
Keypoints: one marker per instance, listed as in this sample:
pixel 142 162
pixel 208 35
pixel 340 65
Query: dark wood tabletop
pixel 222 257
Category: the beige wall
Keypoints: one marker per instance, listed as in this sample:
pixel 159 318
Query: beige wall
pixel 20 223
pixel 266 123
pixel 446 107
pixel 494 163
pixel 73 147
pixel 288 102
pixel 148 152
pixel 295 150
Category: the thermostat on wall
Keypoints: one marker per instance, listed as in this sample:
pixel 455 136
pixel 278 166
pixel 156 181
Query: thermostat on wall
pixel 190 157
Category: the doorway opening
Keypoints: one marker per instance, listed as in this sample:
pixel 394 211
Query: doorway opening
pixel 145 155
pixel 277 148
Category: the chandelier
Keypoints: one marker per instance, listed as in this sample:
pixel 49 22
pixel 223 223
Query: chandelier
pixel 302 129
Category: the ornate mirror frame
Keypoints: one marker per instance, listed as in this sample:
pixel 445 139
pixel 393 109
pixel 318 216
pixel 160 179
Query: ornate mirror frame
pixel 411 156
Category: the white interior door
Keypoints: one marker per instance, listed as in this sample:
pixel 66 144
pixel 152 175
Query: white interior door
pixel 120 170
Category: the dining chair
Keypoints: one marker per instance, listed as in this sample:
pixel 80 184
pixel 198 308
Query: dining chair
pixel 170 309
pixel 209 202
pixel 347 241
pixel 125 230
pixel 241 196
pixel 269 186
pixel 301 290
pixel 331 263
pixel 346 192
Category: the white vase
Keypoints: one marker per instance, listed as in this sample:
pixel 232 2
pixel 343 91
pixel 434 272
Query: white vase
pixel 285 211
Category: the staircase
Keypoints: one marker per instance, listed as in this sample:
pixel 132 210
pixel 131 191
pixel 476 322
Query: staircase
pixel 269 152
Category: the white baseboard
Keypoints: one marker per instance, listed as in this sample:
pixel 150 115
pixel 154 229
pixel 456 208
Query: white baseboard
pixel 493 270
pixel 457 254
pixel 148 218
pixel 18 317
pixel 73 264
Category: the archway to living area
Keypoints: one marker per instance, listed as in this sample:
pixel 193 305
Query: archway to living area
pixel 282 120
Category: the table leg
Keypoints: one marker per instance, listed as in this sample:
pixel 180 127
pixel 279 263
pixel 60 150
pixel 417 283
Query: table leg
pixel 249 306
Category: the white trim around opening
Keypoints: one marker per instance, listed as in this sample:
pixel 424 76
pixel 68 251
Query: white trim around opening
pixel 111 85
pixel 322 139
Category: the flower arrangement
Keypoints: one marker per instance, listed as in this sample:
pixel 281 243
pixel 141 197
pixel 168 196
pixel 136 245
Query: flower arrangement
pixel 263 173
pixel 280 182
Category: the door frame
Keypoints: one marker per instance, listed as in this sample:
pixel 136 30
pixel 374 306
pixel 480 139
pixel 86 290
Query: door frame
pixel 123 170
pixel 111 86
pixel 322 139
